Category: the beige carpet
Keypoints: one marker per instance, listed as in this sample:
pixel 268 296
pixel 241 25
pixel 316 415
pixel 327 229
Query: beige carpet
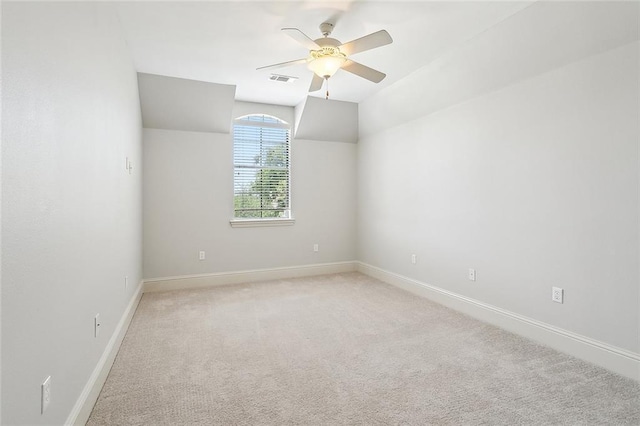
pixel 337 350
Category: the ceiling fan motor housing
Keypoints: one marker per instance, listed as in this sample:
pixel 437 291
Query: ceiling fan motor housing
pixel 328 42
pixel 326 28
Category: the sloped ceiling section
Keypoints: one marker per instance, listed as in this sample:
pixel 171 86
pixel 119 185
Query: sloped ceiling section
pixel 178 104
pixel 327 120
pixel 540 38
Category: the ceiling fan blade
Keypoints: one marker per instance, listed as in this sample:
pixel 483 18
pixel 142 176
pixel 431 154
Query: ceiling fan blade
pixel 363 71
pixel 301 38
pixel 371 41
pixel 316 83
pixel 284 64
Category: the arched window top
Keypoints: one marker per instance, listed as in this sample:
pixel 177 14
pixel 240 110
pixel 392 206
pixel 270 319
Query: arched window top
pixel 261 120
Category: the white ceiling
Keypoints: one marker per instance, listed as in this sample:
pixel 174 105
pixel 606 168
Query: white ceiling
pixel 225 41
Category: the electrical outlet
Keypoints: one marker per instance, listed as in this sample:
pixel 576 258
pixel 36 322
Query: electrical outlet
pixel 557 294
pixel 472 274
pixel 316 248
pixel 96 325
pixel 414 259
pixel 202 255
pixel 45 394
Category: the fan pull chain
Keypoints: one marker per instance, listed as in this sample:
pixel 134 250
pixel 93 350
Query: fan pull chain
pixel 327 96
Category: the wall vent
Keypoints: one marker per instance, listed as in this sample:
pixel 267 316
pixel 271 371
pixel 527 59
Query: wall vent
pixel 282 78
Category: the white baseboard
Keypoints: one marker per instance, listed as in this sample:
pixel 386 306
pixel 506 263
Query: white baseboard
pixel 237 277
pixel 618 360
pixel 82 409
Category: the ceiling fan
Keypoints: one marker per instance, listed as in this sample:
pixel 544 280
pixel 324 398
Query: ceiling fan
pixel 327 55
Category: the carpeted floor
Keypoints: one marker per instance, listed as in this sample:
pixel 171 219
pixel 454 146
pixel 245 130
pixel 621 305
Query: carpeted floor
pixel 337 350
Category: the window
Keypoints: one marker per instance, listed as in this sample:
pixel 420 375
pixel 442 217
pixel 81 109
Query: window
pixel 261 168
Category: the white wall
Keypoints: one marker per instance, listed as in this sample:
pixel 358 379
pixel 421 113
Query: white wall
pixel 534 186
pixel 181 104
pixel 188 202
pixel 71 214
pixel 327 120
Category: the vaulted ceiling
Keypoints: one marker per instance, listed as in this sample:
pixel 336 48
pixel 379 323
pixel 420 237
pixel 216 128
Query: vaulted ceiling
pixel 225 41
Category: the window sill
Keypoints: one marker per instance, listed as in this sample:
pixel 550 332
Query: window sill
pixel 255 223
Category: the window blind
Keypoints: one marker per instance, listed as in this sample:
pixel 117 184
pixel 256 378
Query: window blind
pixel 261 167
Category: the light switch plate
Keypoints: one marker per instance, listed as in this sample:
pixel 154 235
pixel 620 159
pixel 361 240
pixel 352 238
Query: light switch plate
pixel 45 394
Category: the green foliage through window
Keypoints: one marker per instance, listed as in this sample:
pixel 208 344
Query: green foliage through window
pixel 261 167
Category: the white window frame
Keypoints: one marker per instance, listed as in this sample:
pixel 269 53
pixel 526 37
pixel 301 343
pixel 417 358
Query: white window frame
pixel 238 222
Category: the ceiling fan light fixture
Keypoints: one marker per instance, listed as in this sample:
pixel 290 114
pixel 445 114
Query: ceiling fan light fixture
pixel 325 62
